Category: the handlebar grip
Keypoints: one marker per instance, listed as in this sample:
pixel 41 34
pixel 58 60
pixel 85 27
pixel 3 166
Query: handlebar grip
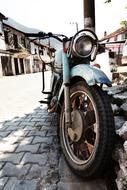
pixel 42 34
pixel 50 34
pixel 39 34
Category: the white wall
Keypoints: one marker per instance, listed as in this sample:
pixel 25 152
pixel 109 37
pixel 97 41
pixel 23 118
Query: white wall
pixel 1 74
pixel 2 42
pixel 104 61
pixel 13 67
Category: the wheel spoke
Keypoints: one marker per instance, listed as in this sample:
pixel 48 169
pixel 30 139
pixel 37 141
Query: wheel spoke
pixel 84 151
pixel 90 147
pixel 71 143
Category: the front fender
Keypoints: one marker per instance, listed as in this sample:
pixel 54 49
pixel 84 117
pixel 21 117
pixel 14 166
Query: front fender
pixel 90 74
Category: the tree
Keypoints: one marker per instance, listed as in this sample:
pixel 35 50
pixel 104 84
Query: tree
pixel 123 23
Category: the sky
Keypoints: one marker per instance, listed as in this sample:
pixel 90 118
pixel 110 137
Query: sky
pixel 60 16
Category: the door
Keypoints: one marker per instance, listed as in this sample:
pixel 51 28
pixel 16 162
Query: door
pixel 16 66
pixel 6 65
pixel 21 65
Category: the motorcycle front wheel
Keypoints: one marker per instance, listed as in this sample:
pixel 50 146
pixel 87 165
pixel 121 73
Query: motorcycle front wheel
pixel 87 144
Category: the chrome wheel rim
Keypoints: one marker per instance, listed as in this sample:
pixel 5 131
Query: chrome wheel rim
pixel 81 150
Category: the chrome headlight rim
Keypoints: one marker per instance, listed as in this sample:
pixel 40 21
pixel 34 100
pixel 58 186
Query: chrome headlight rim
pixel 84 34
pixel 83 46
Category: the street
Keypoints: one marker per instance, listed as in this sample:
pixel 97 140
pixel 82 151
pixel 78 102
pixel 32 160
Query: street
pixel 30 154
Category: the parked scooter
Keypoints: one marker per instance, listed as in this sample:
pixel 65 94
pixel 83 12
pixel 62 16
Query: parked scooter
pixel 86 120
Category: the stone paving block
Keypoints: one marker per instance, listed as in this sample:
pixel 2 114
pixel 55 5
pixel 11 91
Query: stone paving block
pixel 1 124
pixel 81 186
pixel 28 148
pixel 37 115
pixel 44 148
pixel 3 181
pixel 6 147
pixel 38 119
pixel 11 157
pixel 12 124
pixel 27 123
pixel 26 119
pixel 45 128
pixel 19 133
pixel 11 128
pixel 26 140
pixel 51 132
pixel 3 129
pixel 37 133
pixel 15 184
pixel 28 128
pixel 11 170
pixel 40 159
pixel 43 123
pixel 47 140
pixel 33 128
pixel 37 171
pixel 1 165
pixel 28 116
pixel 12 139
pixel 4 133
pixel 49 119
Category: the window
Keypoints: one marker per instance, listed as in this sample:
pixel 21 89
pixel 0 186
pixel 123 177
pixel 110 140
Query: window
pixel 23 41
pixel 125 35
pixel 15 40
pixel 6 37
pixel 115 38
pixel 1 28
pixel 6 65
pixel 111 54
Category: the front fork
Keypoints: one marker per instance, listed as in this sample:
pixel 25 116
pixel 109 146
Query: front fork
pixel 66 83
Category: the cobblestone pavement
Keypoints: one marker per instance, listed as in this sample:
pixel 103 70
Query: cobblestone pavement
pixel 30 156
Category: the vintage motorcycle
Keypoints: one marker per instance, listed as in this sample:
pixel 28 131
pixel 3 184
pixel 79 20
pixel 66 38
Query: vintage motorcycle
pixel 86 124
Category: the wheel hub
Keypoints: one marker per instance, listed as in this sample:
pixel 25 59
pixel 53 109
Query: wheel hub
pixel 76 130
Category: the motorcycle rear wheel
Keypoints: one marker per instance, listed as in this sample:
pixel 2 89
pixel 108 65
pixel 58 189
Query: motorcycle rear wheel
pixel 87 145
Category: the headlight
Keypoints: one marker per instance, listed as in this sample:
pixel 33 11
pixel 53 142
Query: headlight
pixel 83 46
pixel 84 43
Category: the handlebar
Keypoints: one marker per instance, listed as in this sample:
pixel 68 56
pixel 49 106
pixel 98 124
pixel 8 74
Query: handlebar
pixel 43 35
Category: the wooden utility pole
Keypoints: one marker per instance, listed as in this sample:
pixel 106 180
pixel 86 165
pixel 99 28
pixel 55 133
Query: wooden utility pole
pixel 89 14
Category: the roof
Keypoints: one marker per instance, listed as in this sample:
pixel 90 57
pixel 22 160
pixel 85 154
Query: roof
pixel 12 23
pixel 15 25
pixel 2 16
pixel 115 33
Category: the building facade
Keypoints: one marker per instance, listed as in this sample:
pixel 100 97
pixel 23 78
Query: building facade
pixel 115 42
pixel 16 49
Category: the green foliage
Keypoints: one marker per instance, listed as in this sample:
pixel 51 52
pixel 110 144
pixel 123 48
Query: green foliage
pixel 123 23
